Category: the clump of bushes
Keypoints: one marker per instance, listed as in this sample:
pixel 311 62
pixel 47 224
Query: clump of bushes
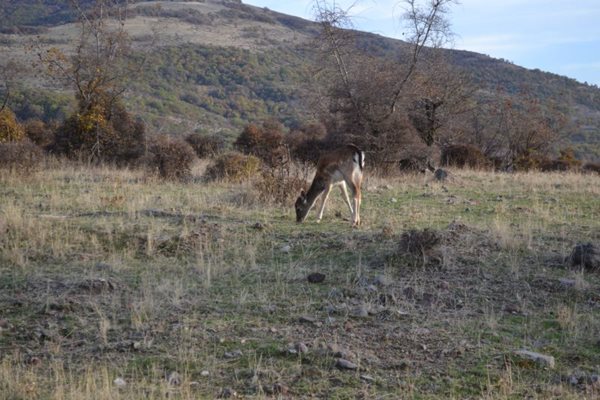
pixel 463 155
pixel 10 129
pixel 171 158
pixel 40 133
pixel 23 156
pixel 102 134
pixel 206 146
pixel 233 167
pixel 265 142
pixel 591 167
pixel 307 143
pixel 278 187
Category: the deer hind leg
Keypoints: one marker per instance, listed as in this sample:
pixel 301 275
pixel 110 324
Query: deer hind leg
pixel 325 197
pixel 344 190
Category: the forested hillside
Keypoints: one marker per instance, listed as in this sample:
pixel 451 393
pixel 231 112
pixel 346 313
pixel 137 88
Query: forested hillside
pixel 220 64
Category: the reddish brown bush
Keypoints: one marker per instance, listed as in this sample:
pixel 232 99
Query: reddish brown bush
pixel 591 167
pixel 40 133
pixel 171 157
pixel 464 155
pixel 22 156
pixel 264 142
pixel 233 167
pixel 307 143
pixel 206 146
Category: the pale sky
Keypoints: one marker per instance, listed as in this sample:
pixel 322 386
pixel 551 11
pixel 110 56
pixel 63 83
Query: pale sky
pixel 560 36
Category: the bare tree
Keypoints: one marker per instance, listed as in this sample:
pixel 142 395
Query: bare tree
pixel 366 93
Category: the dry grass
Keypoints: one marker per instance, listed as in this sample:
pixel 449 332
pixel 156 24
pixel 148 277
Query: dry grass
pixel 181 290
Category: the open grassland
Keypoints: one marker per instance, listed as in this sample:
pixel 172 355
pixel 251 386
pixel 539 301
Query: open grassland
pixel 114 285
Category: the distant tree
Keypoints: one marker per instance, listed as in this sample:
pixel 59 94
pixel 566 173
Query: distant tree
pixel 100 69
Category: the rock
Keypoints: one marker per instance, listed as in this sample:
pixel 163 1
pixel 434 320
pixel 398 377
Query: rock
pixel 440 174
pixel 567 282
pixel 586 255
pixel 316 277
pixel 444 285
pixel 541 359
pixel 344 364
pixel 382 280
pixel 367 378
pixel 307 319
pixel 286 249
pixel 227 393
pixel 233 354
pixel 360 312
pixel 119 382
pixel 301 348
pixel 174 379
pixel 204 373
pixel 258 226
pixel 279 388
pixel 338 352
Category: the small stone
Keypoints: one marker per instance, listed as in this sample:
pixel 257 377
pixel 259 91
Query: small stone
pixel 367 378
pixel 307 319
pixel 205 373
pixel 316 277
pixel 120 382
pixel 233 354
pixel 286 249
pixel 258 226
pixel 541 359
pixel 567 282
pixel 227 393
pixel 394 200
pixel 301 348
pixel 174 379
pixel 382 280
pixel 360 312
pixel 345 364
pixel 444 285
pixel 279 388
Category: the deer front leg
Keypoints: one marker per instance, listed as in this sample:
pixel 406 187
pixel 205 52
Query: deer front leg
pixel 325 197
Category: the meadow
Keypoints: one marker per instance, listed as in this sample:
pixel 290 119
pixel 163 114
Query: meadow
pixel 117 285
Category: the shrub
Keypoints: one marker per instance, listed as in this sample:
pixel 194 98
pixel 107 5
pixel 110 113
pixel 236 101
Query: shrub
pixel 233 166
pixel 279 186
pixel 23 156
pixel 264 142
pixel 171 157
pixel 591 167
pixel 463 155
pixel 528 161
pixel 101 135
pixel 10 129
pixel 39 132
pixel 206 146
pixel 307 143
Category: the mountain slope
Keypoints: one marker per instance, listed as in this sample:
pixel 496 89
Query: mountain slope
pixel 220 64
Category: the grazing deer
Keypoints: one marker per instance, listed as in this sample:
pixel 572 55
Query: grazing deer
pixel 343 167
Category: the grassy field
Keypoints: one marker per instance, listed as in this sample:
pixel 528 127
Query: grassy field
pixel 115 285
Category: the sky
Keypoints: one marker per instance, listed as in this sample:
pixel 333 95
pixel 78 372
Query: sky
pixel 559 36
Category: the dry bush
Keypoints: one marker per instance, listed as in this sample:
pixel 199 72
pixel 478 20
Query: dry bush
pixel 102 135
pixel 171 157
pixel 591 167
pixel 10 129
pixel 264 142
pixel 464 155
pixel 418 243
pixel 234 167
pixel 22 156
pixel 39 132
pixel 530 161
pixel 307 143
pixel 279 186
pixel 206 146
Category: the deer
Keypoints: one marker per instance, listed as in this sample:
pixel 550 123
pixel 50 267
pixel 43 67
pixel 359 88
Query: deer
pixel 341 167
